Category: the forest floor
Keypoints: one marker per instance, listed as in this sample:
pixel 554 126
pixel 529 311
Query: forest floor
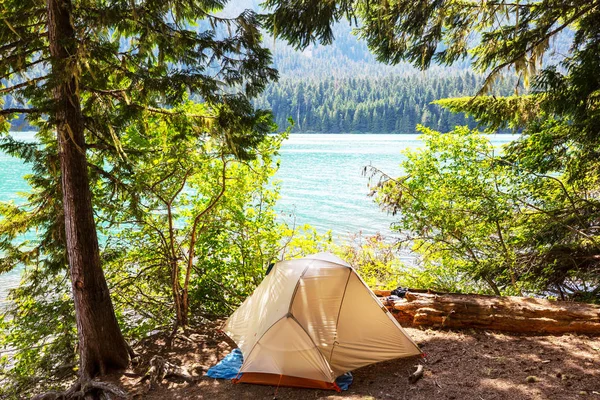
pixel 459 365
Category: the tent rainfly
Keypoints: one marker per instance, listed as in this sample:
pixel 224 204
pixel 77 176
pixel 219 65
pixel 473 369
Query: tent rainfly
pixel 310 321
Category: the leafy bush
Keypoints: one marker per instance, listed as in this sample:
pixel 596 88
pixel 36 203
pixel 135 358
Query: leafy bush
pixel 479 221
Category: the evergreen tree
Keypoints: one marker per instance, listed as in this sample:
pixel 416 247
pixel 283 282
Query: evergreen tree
pixel 106 65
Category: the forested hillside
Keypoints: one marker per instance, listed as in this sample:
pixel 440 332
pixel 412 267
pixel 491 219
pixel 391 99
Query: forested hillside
pixel 381 104
pixel 342 88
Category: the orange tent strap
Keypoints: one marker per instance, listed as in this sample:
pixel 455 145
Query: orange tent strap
pixel 259 378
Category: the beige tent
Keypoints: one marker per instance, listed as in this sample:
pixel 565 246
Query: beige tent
pixel 310 321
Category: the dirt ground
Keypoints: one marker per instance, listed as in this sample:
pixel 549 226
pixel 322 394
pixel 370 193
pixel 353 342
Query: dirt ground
pixel 458 365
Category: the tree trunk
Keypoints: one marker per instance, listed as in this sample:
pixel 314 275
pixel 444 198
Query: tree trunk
pixel 180 315
pixel 511 314
pixel 101 345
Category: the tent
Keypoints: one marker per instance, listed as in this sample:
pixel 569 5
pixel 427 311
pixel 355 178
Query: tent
pixel 310 321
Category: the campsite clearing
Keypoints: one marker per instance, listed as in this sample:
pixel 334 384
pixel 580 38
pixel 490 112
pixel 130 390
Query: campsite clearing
pixel 460 365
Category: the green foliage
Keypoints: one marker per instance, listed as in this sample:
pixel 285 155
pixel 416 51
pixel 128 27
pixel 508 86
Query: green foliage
pixel 134 59
pixel 557 160
pixel 209 207
pixel 475 219
pixel 38 331
pixel 443 278
pixel 496 113
pixel 38 326
pixel 548 178
pixel 375 259
pixel 495 35
pixel 455 209
pixel 304 240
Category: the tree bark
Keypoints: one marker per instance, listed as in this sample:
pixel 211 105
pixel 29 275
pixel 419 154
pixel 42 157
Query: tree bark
pixel 511 314
pixel 102 347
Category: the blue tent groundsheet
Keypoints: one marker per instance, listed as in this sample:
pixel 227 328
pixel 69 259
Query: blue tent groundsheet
pixel 229 368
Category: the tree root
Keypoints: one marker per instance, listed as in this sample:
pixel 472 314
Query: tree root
pixel 52 395
pixel 183 338
pixel 134 358
pixel 161 369
pixel 88 389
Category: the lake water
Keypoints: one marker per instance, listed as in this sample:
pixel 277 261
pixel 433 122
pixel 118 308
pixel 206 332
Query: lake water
pixel 321 182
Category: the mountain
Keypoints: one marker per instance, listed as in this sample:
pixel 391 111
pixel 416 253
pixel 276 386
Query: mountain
pixel 342 88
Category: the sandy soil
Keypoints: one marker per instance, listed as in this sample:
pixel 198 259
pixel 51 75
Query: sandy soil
pixel 459 365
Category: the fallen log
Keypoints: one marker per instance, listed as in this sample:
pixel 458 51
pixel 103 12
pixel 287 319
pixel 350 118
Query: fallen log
pixel 502 313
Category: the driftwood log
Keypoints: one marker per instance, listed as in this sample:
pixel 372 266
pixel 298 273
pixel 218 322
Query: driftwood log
pixel 511 314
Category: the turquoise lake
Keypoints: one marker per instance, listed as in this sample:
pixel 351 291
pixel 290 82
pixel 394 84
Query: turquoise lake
pixel 321 177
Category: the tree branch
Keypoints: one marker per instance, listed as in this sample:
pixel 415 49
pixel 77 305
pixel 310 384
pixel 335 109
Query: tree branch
pixel 24 67
pixel 22 84
pixel 491 76
pixel 9 111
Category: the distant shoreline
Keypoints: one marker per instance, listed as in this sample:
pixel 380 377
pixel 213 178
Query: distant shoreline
pixel 314 133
